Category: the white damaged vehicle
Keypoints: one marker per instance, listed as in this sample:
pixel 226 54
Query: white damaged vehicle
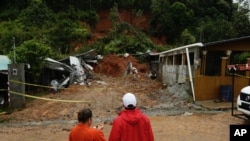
pixel 243 101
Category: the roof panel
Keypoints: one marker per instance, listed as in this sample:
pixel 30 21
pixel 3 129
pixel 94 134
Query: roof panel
pixel 4 61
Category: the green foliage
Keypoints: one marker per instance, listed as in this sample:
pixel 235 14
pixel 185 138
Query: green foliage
pixel 126 4
pixel 213 19
pixel 8 31
pixel 211 31
pixel 243 56
pixel 124 37
pixel 32 52
pixel 113 47
pixel 90 17
pixel 182 18
pixel 241 24
pixel 121 44
pixel 240 58
pixel 187 38
pixel 79 33
pixel 10 9
pixel 75 15
pixel 56 30
pixel 36 14
pixel 114 14
pixel 142 4
pixel 160 48
pixel 224 7
pixel 83 5
pixel 160 19
pixel 170 20
pixel 59 23
pixel 64 33
pixel 8 14
pixel 98 46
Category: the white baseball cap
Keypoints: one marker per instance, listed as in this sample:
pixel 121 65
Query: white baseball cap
pixel 129 99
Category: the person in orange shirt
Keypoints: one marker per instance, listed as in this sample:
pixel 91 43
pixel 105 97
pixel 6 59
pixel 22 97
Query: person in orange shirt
pixel 83 130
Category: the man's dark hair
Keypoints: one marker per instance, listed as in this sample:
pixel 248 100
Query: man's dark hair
pixel 84 115
pixel 130 107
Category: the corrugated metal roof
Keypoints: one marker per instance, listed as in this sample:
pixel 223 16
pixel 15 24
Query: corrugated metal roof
pixel 4 61
pixel 182 48
pixel 225 41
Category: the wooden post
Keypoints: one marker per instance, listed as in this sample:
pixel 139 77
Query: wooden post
pixel 223 65
pixel 203 62
pixel 248 62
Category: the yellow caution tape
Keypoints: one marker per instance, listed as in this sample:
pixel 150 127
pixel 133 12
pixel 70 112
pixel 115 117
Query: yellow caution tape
pixel 29 84
pixel 70 101
pixel 241 75
pixel 49 99
pixel 3 113
pixel 3 90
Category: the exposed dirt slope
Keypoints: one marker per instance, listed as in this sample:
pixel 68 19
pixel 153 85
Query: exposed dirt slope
pixel 141 22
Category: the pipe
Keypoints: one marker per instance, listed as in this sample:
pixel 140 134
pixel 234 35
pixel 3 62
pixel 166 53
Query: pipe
pixel 190 73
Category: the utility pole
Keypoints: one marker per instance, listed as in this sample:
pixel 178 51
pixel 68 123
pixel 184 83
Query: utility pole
pixel 14 48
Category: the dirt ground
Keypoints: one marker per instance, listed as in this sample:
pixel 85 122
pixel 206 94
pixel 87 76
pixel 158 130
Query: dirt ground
pixel 49 120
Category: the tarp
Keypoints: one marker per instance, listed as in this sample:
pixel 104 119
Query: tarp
pixel 4 61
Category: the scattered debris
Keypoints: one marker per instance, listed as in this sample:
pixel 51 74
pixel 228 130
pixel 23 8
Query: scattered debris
pixel 117 65
pixel 187 114
pixel 72 70
pixel 132 70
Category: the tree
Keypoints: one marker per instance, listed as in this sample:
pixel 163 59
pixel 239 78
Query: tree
pixel 124 37
pixel 64 33
pixel 217 29
pixel 187 38
pixel 161 18
pixel 241 24
pixel 37 14
pixel 170 20
pixel 8 30
pixel 10 9
pixel 32 52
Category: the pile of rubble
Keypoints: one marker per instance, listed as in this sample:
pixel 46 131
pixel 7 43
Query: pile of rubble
pixel 117 65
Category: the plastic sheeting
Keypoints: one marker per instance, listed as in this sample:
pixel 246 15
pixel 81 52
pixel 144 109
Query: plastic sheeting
pixel 4 61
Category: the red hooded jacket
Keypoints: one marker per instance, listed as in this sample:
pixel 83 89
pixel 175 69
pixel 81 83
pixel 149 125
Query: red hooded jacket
pixel 131 125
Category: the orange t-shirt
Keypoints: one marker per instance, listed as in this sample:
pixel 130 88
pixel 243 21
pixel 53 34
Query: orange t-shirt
pixel 82 132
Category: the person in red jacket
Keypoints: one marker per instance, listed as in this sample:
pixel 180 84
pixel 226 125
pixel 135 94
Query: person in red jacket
pixel 131 124
pixel 82 131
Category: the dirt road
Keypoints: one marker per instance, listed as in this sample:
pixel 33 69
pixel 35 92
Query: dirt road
pixel 165 128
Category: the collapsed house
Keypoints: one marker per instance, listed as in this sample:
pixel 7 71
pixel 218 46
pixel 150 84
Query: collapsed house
pixel 71 70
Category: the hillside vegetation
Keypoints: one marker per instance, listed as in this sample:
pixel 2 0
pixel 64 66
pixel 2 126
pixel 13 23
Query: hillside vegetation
pixel 36 29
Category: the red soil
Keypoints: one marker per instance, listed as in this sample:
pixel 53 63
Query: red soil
pixel 115 65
